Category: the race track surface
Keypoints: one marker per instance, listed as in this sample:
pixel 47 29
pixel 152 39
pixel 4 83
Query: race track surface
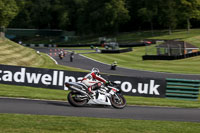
pixel 39 107
pixel 80 61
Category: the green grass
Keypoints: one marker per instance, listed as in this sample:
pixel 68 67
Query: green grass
pixel 31 92
pixel 16 123
pixel 193 36
pixel 53 94
pixel 134 60
pixel 15 54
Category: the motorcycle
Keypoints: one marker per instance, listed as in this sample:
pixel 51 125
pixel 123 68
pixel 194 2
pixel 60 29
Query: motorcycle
pixel 108 94
pixel 61 56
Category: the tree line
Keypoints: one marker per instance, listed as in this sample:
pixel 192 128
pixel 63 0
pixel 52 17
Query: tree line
pixel 100 16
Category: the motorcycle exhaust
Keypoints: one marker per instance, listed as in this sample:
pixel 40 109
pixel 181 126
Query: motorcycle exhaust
pixel 72 87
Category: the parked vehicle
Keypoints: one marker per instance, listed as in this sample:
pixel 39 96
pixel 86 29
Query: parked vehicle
pixel 107 95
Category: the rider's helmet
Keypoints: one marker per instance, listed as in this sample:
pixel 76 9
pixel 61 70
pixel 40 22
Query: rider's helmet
pixel 95 70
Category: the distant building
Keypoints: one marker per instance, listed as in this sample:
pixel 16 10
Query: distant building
pixel 174 48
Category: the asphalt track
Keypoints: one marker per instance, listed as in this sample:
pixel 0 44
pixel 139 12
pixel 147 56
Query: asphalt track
pixel 39 107
pixel 80 61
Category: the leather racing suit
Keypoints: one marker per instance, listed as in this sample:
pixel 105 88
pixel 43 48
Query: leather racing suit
pixel 93 81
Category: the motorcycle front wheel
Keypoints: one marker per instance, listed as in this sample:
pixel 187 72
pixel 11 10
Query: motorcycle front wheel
pixel 75 99
pixel 118 101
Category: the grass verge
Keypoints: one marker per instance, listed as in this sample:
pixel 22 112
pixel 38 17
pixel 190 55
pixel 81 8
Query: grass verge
pixel 51 124
pixel 15 54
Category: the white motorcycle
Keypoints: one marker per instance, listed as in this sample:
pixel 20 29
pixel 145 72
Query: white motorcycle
pixel 107 95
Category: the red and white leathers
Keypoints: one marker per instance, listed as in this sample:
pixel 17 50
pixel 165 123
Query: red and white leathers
pixel 93 80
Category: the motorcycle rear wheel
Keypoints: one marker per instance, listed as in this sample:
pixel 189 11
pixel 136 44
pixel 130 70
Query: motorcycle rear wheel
pixel 75 101
pixel 118 103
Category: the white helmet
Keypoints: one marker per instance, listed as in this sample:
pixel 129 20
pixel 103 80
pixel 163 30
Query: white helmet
pixel 95 70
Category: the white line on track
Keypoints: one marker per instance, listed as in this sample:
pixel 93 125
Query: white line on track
pixel 53 59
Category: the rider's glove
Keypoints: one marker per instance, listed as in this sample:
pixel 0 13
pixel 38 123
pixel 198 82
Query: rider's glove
pixel 107 82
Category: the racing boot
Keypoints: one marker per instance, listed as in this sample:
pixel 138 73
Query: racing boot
pixel 89 91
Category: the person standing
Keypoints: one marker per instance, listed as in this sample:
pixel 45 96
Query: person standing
pixel 72 56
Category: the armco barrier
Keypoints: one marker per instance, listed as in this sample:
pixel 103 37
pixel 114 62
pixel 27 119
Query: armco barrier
pixel 182 89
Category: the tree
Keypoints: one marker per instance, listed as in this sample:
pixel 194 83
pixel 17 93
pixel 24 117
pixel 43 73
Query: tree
pixel 168 14
pixel 23 19
pixel 189 9
pixel 149 12
pixel 59 14
pixel 103 16
pixel 99 16
pixel 8 10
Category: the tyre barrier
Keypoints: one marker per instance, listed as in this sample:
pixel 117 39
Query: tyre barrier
pixel 182 89
pixel 116 51
pixel 39 45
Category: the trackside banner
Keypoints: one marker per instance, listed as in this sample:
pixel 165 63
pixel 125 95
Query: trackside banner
pixel 55 79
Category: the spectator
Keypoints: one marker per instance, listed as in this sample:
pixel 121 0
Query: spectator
pixel 72 56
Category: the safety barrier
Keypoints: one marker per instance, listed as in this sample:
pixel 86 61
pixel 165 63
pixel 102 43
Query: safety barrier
pixel 116 50
pixel 182 89
pixel 39 45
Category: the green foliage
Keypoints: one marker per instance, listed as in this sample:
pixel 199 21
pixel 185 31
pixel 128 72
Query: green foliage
pixel 42 14
pixel 15 54
pixel 101 17
pixel 8 10
pixel 164 13
pixel 168 14
pixel 189 9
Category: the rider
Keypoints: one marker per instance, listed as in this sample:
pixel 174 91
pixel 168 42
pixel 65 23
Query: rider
pixel 93 80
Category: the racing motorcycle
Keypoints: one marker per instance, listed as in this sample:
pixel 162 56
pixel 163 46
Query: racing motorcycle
pixel 108 94
pixel 61 56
